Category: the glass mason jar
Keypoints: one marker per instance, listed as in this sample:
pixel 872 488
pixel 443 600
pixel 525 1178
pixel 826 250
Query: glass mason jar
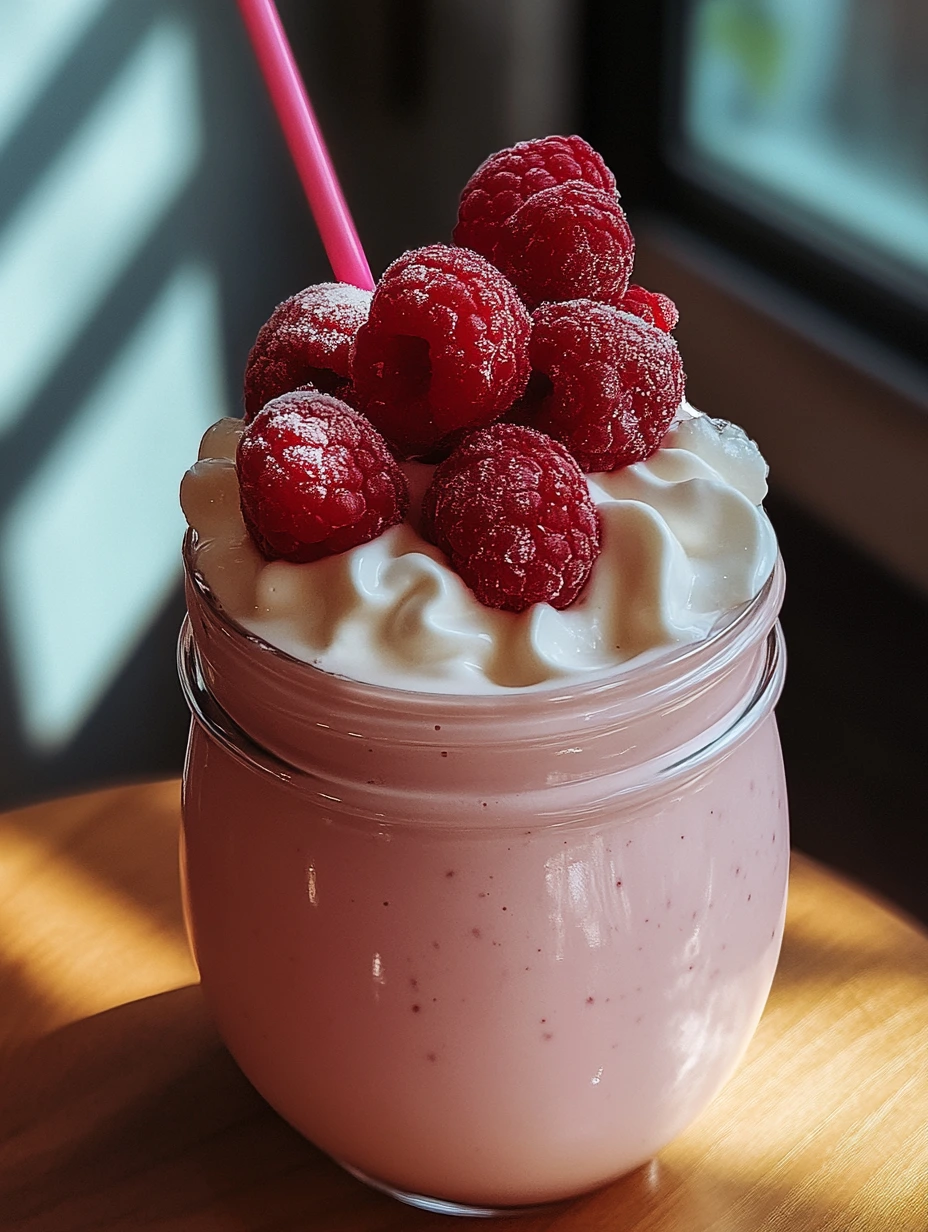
pixel 486 951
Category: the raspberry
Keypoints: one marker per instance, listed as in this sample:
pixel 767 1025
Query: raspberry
pixel 305 341
pixel 511 510
pixel 651 306
pixel 567 241
pixel 315 478
pixel 445 348
pixel 508 178
pixel 604 383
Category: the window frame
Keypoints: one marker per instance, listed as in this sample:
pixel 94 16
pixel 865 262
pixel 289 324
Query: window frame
pixel 636 118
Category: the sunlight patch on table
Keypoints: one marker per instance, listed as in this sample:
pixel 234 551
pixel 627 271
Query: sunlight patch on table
pixel 74 939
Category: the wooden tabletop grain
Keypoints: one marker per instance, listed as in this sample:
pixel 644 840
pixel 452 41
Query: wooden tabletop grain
pixel 120 1109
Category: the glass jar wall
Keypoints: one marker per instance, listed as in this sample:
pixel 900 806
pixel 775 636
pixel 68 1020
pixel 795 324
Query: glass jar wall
pixel 486 951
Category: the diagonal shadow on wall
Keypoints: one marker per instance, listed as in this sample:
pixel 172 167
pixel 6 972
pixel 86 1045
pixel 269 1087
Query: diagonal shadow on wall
pixel 239 214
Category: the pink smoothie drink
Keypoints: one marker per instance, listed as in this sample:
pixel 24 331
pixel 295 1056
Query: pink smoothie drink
pixel 485 840
pixel 491 950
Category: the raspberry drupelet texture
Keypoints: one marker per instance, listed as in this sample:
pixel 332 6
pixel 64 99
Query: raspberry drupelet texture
pixel 315 478
pixel 604 383
pixel 651 306
pixel 305 342
pixel 512 511
pixel 508 178
pixel 445 347
pixel 567 241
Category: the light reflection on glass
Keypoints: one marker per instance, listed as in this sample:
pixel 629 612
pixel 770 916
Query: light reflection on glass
pixel 576 880
pixel 311 884
pixel 698 1039
pixel 378 975
pixel 556 885
pixel 585 900
pixel 692 947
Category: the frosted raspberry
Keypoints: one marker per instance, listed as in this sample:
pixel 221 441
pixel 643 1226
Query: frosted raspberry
pixel 512 511
pixel 315 478
pixel 508 178
pixel 445 348
pixel 651 306
pixel 604 382
pixel 305 342
pixel 565 242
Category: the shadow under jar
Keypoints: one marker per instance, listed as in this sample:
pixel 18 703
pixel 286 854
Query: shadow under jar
pixel 486 951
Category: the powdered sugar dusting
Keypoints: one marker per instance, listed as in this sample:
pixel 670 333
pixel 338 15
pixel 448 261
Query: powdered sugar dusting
pixel 614 382
pixel 445 347
pixel 508 178
pixel 565 242
pixel 306 341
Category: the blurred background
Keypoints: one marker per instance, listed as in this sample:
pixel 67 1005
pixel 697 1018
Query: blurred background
pixel 773 159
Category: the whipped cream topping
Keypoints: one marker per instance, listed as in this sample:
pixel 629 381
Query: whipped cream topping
pixel 685 544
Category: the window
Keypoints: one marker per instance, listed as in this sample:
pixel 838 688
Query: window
pixel 814 114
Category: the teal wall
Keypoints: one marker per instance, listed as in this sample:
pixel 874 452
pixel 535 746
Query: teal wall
pixel 149 220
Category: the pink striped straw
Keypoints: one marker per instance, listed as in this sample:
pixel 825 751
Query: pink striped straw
pixel 304 139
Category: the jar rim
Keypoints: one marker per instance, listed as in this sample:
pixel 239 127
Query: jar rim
pixel 660 776
pixel 732 630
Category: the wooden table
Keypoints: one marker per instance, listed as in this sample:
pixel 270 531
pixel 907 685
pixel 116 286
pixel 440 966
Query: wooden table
pixel 119 1108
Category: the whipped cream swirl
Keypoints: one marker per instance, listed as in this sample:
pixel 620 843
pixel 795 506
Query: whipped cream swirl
pixel 685 544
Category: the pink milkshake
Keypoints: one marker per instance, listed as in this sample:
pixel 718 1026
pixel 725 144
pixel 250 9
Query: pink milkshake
pixel 490 949
pixel 485 847
pixel 487 951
